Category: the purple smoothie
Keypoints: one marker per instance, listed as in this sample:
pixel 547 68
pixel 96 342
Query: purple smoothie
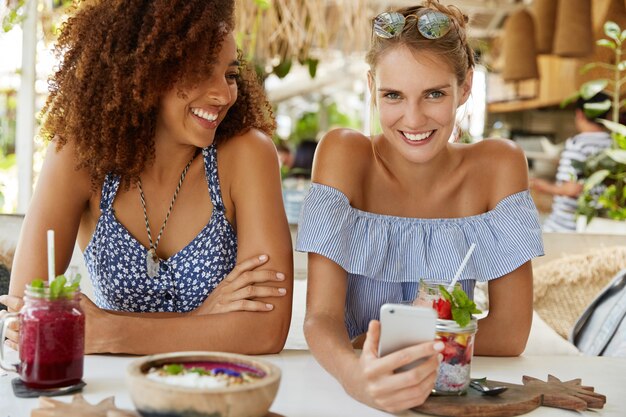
pixel 52 340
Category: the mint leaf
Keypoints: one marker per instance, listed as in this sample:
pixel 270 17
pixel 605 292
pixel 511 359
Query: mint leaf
pixel 69 290
pixel 173 369
pixel 444 293
pixel 461 305
pixel 36 283
pixel 461 315
pixel 56 286
pixel 461 298
pixel 199 371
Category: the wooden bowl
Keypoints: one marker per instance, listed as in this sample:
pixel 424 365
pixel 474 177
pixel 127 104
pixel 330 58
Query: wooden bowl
pixel 155 398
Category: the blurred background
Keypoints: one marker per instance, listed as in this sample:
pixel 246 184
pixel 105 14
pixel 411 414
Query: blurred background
pixel 309 54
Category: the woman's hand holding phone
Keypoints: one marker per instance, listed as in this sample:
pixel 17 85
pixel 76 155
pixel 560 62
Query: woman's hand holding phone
pixel 379 385
pixel 404 325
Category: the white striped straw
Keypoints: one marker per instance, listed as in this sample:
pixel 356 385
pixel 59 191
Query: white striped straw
pixel 50 255
pixel 461 268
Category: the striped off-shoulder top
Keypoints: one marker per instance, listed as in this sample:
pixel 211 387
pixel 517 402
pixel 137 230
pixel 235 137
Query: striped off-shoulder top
pixel 386 256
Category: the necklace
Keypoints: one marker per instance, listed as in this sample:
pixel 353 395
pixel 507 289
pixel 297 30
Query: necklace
pixel 152 259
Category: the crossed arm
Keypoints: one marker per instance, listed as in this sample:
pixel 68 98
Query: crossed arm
pixel 235 317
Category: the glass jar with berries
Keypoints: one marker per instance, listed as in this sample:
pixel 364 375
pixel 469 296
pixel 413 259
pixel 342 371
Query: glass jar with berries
pixel 456 328
pixel 454 369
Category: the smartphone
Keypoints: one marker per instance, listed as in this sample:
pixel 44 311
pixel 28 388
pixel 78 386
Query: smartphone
pixel 403 325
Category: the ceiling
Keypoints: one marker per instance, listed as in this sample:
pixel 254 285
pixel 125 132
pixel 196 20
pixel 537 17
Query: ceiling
pixel 486 17
pixel 486 20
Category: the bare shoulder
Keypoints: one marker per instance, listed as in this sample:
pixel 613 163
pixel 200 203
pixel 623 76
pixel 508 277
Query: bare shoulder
pixel 252 146
pixel 501 148
pixel 248 168
pixel 341 159
pixel 502 163
pixel 60 168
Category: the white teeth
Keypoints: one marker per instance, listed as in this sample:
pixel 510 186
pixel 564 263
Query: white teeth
pixel 211 117
pixel 418 136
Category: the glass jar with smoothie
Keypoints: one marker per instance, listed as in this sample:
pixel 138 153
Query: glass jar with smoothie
pixel 51 337
pixel 456 328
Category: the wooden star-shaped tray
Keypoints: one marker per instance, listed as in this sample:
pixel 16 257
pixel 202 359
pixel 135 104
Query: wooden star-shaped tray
pixel 517 400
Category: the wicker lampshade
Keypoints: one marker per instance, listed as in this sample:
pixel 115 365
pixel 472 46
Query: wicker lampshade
pixel 574 35
pixel 615 12
pixel 520 54
pixel 544 12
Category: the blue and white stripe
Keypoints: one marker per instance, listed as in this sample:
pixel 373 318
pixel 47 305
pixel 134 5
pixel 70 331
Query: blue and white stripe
pixel 578 148
pixel 386 256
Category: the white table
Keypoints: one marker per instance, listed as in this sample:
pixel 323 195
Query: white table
pixel 306 390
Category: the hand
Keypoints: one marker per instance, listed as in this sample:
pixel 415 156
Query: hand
pixel 571 189
pixel 378 386
pixel 237 291
pixel 539 184
pixel 14 304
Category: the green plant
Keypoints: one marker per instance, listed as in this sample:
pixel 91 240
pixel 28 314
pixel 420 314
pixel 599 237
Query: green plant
pixel 604 191
pixel 7 163
pixel 310 123
pixel 51 12
pixel 14 16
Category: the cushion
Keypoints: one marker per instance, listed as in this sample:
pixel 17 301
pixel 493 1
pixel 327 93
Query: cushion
pixel 564 287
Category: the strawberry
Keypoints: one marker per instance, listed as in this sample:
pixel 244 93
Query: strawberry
pixel 443 309
pixel 449 352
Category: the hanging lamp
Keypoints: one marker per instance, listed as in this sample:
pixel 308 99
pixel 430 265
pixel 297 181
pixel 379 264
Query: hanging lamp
pixel 615 12
pixel 520 54
pixel 544 13
pixel 574 35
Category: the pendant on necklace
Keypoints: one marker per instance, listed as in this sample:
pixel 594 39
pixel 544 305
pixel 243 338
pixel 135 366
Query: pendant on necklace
pixel 152 263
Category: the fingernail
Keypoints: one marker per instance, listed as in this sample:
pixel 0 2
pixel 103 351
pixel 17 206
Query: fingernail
pixel 440 357
pixel 280 276
pixel 269 306
pixel 282 291
pixel 263 258
pixel 439 346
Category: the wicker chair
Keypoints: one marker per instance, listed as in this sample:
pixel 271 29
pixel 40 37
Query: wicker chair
pixel 564 287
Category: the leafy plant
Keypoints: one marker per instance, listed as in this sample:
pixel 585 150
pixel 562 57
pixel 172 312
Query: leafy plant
pixel 14 16
pixel 604 191
pixel 49 11
pixel 310 123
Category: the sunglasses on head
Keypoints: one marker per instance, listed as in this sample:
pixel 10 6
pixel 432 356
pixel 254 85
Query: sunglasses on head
pixel 431 24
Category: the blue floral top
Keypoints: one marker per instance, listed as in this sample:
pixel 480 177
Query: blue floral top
pixel 386 256
pixel 116 261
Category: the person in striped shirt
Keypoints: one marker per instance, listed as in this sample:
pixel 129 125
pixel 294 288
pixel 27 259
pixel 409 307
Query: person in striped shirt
pixel 592 139
pixel 388 210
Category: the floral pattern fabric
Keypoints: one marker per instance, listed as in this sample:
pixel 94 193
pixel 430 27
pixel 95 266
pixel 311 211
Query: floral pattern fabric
pixel 116 261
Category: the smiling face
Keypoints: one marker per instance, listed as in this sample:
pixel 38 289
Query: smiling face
pixel 417 96
pixel 191 115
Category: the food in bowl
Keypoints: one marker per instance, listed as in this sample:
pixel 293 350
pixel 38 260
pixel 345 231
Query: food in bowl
pixel 207 374
pixel 202 384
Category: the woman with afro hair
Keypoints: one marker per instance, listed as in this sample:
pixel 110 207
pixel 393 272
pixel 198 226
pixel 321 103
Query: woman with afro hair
pixel 161 168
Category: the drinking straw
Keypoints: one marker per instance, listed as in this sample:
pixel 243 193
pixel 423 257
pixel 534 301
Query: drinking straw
pixel 50 255
pixel 461 267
